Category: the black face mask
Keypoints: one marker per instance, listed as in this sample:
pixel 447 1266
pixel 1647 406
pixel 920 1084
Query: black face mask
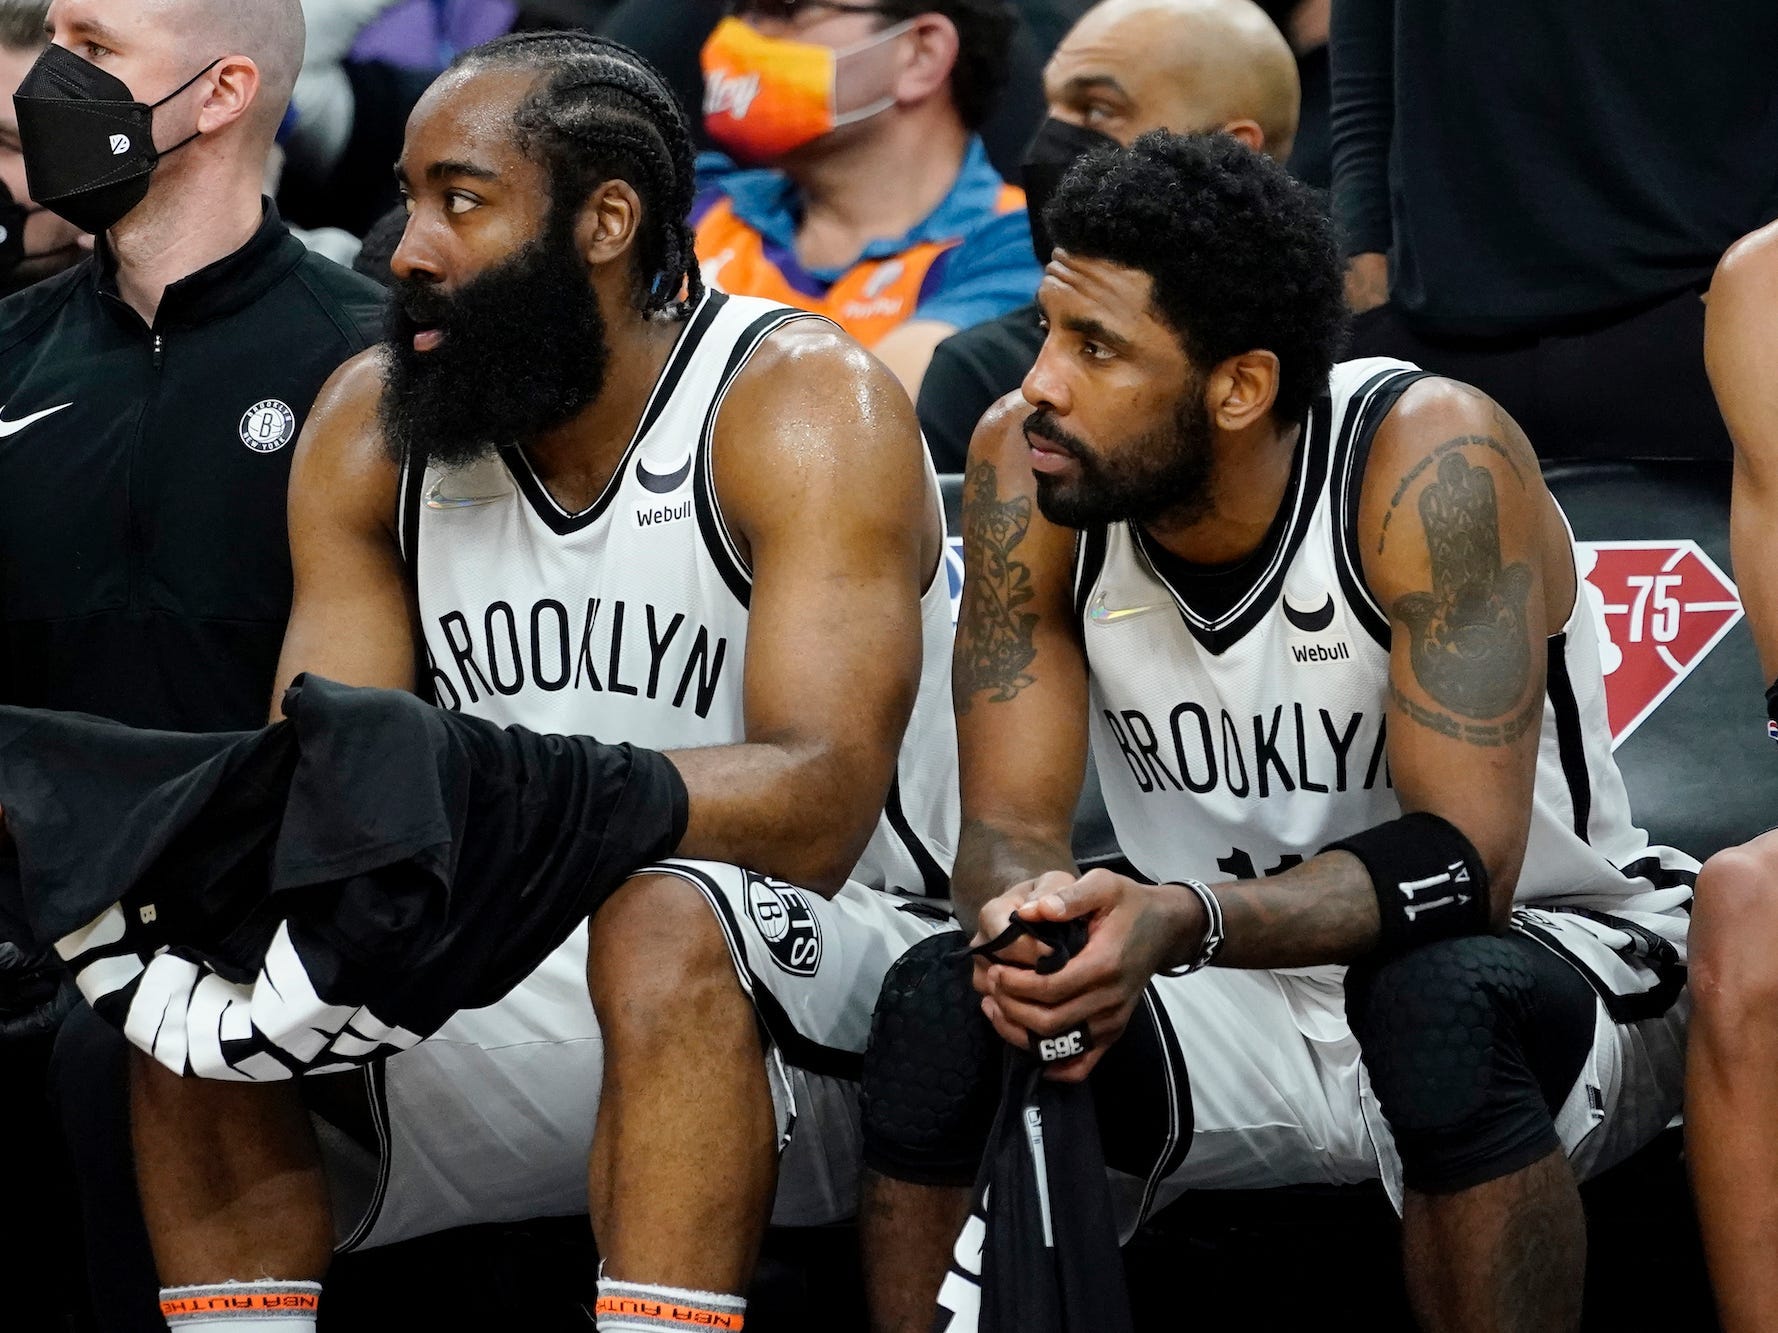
pixel 1055 147
pixel 12 232
pixel 88 144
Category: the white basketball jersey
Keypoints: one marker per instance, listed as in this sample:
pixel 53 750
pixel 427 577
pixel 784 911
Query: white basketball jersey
pixel 1239 740
pixel 628 621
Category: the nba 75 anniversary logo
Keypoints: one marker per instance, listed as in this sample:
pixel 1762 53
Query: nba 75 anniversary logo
pixel 1663 606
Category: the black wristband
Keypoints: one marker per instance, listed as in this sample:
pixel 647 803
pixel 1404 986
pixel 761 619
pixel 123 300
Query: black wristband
pixel 1772 711
pixel 1429 880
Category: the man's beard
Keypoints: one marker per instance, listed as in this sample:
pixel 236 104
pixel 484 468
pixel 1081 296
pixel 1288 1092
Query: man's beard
pixel 1163 475
pixel 524 351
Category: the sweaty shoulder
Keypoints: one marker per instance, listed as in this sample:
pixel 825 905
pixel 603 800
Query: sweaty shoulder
pixel 1437 416
pixel 811 349
pixel 1748 268
pixel 814 421
pixel 1000 435
pixel 815 382
pixel 341 460
pixel 1444 442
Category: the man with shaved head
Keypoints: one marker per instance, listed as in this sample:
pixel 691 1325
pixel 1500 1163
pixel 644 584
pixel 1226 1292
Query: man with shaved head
pixel 1127 67
pixel 149 396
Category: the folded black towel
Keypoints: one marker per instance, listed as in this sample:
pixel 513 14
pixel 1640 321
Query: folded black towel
pixel 320 892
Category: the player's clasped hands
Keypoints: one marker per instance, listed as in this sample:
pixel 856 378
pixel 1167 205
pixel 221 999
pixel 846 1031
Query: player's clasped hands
pixel 1133 929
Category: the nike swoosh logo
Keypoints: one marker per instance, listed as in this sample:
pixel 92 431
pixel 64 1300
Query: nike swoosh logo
pixel 1310 622
pixel 1101 614
pixel 14 427
pixel 436 499
pixel 663 485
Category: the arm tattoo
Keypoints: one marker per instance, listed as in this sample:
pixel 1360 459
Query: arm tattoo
pixel 994 637
pixel 1487 734
pixel 1470 644
pixel 1460 442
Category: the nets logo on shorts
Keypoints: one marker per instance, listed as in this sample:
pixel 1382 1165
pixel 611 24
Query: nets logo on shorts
pixel 1660 607
pixel 786 923
pixel 268 426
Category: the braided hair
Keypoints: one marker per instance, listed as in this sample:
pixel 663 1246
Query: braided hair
pixel 604 113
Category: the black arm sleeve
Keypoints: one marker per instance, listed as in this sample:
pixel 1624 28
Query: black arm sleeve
pixel 1363 53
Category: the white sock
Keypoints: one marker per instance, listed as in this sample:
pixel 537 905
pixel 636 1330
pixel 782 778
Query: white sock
pixel 636 1307
pixel 266 1306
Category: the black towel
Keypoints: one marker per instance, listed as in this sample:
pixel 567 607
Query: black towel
pixel 1049 1251
pixel 325 890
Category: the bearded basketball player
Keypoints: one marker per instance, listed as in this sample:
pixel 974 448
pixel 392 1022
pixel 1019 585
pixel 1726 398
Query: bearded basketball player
pixel 579 492
pixel 1319 625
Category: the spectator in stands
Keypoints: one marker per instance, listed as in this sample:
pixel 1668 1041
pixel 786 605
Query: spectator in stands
pixel 34 243
pixel 427 34
pixel 1732 1076
pixel 866 193
pixel 670 36
pixel 366 64
pixel 149 397
pixel 1533 197
pixel 1128 67
pixel 346 119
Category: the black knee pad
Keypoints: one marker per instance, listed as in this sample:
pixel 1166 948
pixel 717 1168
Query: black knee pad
pixel 931 1070
pixel 1471 1044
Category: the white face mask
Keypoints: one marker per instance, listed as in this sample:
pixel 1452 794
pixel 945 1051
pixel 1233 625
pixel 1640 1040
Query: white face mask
pixel 849 54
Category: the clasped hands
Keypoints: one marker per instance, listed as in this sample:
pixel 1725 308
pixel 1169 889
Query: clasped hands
pixel 1133 930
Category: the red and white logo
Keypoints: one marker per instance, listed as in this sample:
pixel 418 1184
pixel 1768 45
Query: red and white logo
pixel 1660 607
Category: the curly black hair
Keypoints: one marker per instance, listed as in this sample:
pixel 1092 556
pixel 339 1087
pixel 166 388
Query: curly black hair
pixel 602 113
pixel 1241 255
pixel 984 44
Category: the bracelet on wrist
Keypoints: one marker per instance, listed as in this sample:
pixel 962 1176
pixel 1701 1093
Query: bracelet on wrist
pixel 1212 942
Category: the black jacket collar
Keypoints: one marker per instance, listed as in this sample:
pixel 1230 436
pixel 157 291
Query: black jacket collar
pixel 230 284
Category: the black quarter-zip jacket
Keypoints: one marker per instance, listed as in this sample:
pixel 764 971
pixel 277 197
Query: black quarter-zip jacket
pixel 144 556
